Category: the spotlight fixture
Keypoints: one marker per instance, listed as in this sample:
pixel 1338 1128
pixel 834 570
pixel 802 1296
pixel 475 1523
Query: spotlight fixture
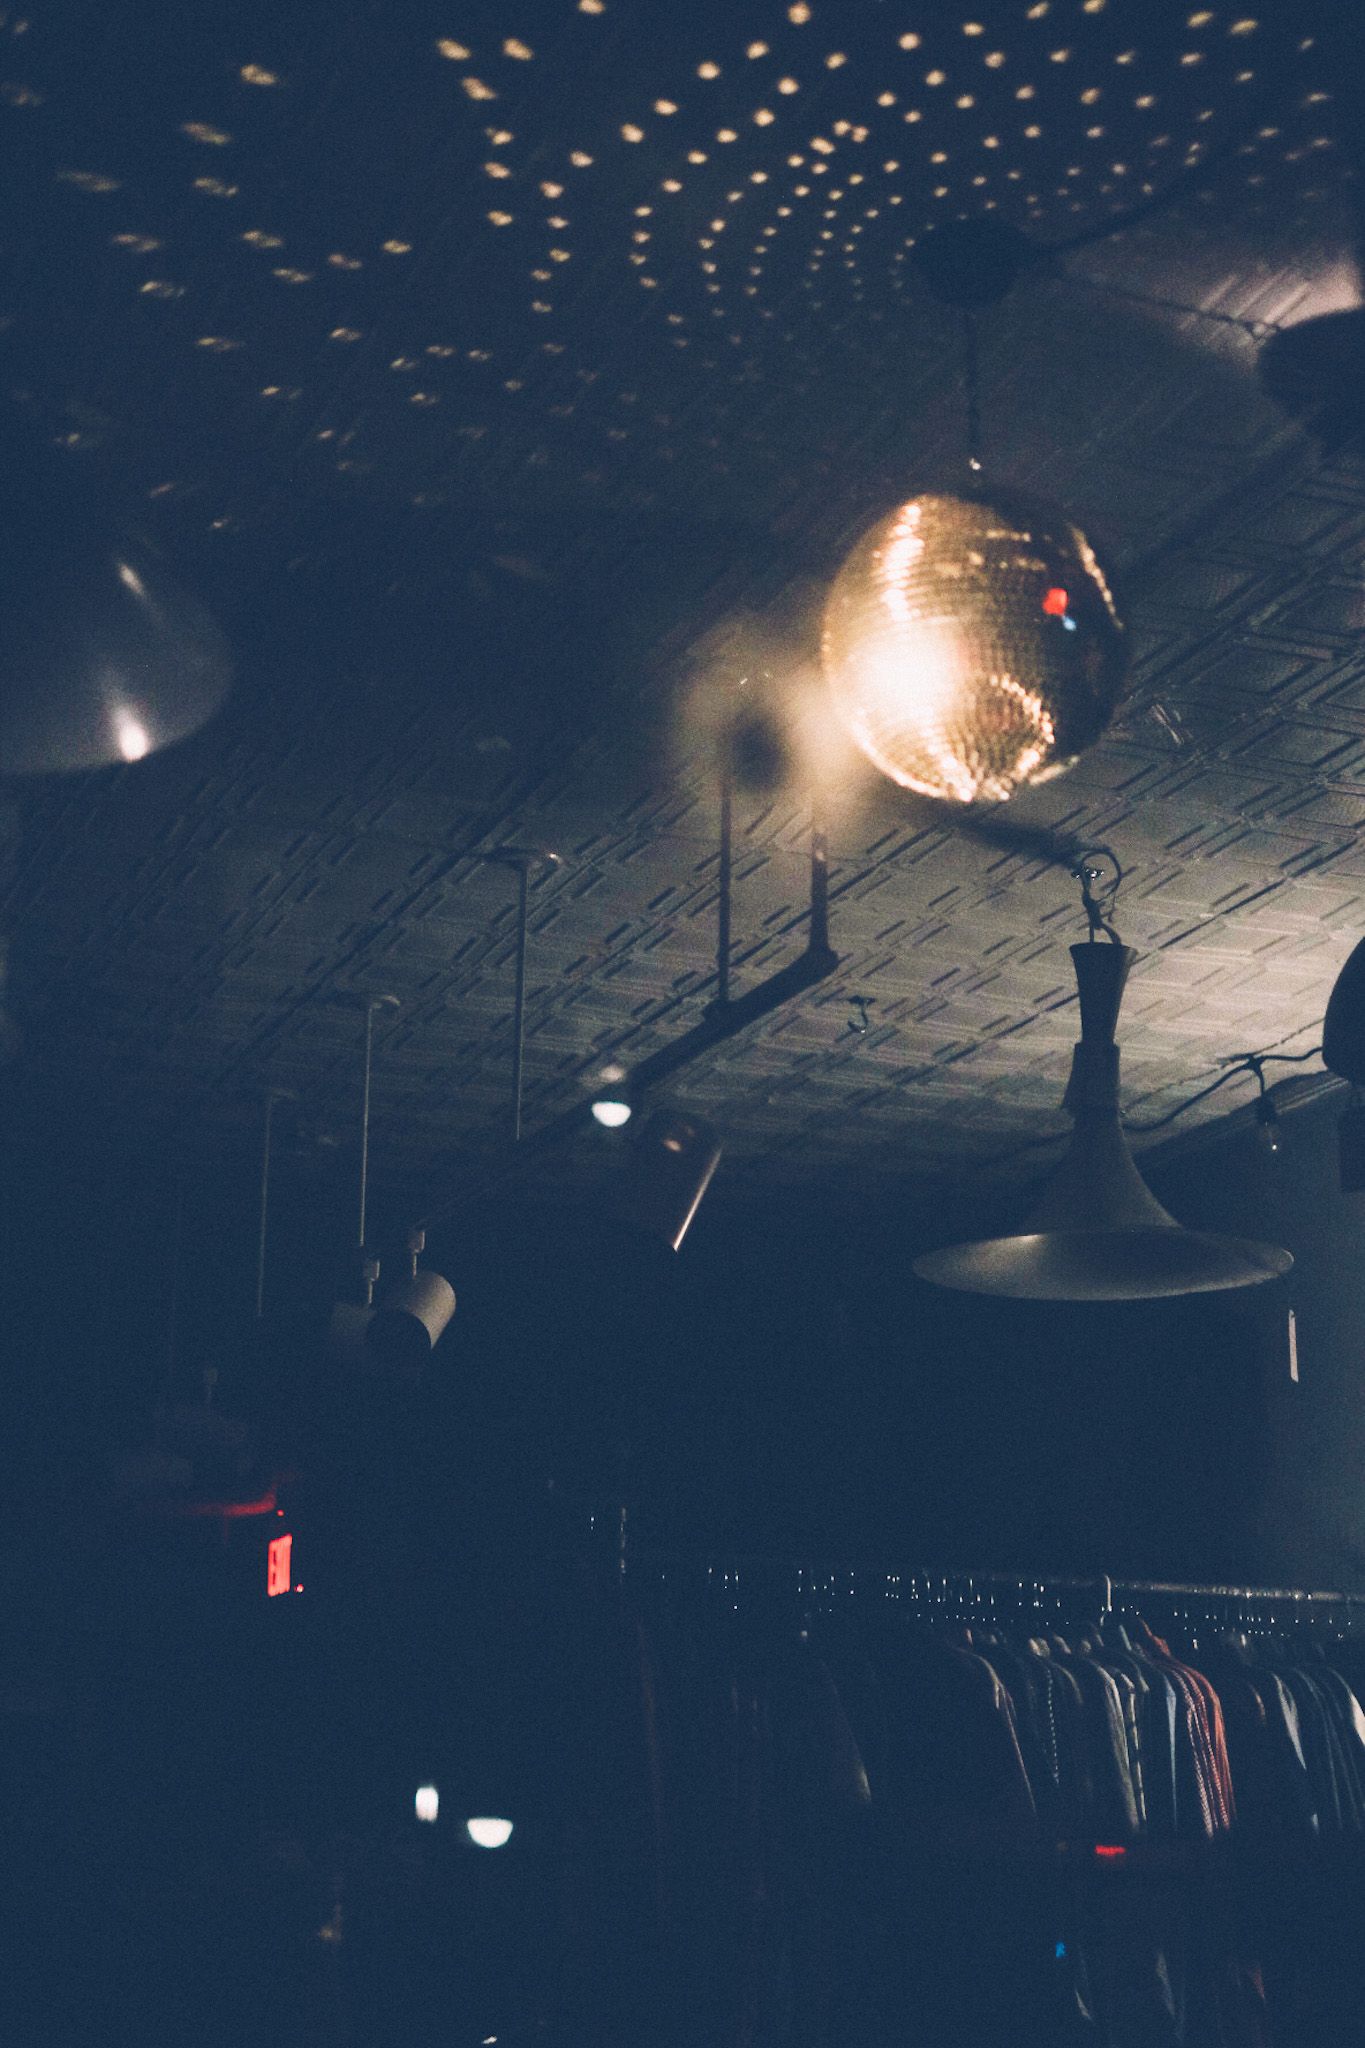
pixel 611 1111
pixel 410 1320
pixel 105 657
pixel 673 1157
pixel 1096 1231
pixel 971 638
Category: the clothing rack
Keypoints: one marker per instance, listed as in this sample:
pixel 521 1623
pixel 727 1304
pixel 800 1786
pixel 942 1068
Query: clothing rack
pixel 809 1578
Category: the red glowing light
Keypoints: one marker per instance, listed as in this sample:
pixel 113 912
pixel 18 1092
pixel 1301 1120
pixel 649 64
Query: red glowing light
pixel 1110 1849
pixel 277 1572
pixel 1054 602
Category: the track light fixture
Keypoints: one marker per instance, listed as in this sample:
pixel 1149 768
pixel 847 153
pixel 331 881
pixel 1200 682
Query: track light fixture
pixel 410 1320
pixel 399 1335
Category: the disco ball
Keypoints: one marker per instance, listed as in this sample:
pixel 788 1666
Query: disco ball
pixel 973 645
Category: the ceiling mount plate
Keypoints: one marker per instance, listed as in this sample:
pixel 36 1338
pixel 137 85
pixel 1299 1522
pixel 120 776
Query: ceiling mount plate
pixel 972 262
pixel 532 858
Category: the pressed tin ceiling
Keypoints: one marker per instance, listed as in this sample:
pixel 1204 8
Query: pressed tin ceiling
pixel 510 379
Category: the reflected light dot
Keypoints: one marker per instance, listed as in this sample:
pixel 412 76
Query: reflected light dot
pixel 489 1833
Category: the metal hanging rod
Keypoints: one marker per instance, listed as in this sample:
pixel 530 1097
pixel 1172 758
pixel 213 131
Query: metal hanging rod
pixel 1105 1587
pixel 721 1020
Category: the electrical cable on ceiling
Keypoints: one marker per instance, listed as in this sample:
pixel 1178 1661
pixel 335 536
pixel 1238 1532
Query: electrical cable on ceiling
pixel 1240 1063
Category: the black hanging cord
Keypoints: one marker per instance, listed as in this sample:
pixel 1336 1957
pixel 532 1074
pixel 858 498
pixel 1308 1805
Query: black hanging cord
pixel 971 382
pixel 1239 1063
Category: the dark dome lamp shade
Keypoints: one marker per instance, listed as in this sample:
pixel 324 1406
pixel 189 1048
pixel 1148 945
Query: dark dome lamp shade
pixel 1343 1052
pixel 104 658
pixel 1096 1231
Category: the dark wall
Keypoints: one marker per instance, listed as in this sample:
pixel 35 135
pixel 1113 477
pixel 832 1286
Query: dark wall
pixel 1307 1516
pixel 784 1383
pixel 850 1406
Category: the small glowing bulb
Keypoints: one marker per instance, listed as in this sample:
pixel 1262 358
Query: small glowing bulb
pixel 489 1833
pixel 427 1802
pixel 1268 1131
pixel 134 741
pixel 611 1114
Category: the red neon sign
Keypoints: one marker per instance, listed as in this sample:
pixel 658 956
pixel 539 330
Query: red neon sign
pixel 277 1566
pixel 1110 1849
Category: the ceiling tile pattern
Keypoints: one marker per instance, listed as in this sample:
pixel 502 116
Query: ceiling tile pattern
pixel 490 569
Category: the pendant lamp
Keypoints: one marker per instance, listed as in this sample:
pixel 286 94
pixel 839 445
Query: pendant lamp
pixel 1096 1231
pixel 104 658
pixel 971 639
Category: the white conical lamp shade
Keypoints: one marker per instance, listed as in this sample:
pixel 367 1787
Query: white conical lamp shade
pixel 1096 1231
pixel 104 657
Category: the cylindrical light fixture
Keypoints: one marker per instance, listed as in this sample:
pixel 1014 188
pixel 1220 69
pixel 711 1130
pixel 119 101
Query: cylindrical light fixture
pixel 409 1322
pixel 349 1323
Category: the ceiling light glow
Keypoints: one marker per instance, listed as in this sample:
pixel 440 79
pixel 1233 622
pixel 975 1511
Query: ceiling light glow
pixel 941 649
pixel 489 1833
